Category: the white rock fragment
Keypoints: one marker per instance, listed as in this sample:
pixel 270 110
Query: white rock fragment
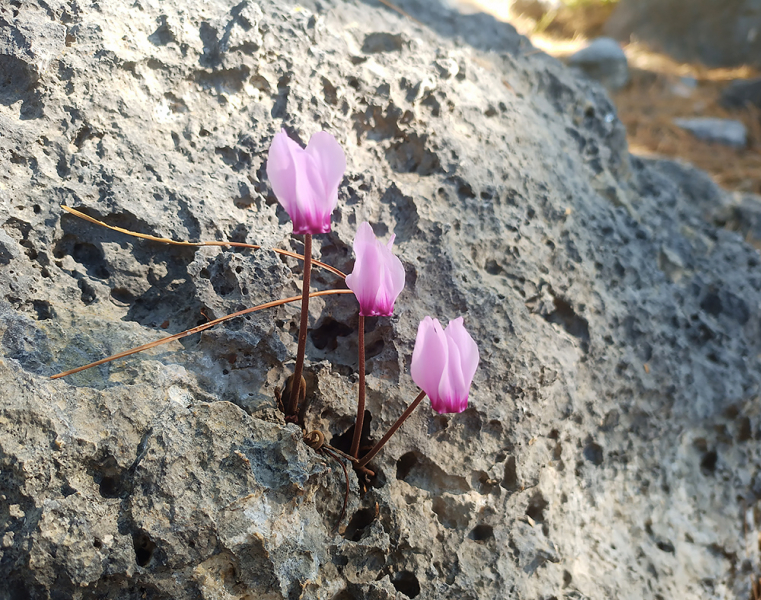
pixel 603 60
pixel 723 131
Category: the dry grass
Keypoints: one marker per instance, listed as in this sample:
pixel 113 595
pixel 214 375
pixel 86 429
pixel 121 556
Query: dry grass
pixel 657 95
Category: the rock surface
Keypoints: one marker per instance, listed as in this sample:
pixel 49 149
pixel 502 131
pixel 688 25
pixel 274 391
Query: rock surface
pixel 741 93
pixel 722 131
pixel 611 446
pixel 717 33
pixel 603 60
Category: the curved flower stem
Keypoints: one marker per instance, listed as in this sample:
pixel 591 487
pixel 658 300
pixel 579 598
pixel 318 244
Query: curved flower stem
pixel 361 398
pixel 293 401
pixel 198 329
pixel 392 430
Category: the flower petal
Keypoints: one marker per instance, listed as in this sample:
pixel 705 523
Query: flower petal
pixel 281 170
pixel 468 349
pixel 330 161
pixel 366 267
pixel 378 276
pixel 306 181
pixel 429 358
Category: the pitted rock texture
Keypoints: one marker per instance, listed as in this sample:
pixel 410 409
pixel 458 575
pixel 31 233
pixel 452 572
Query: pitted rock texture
pixel 610 449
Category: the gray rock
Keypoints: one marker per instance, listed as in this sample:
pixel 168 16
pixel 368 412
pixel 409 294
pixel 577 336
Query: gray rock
pixel 613 420
pixel 741 93
pixel 713 32
pixel 723 131
pixel 603 60
pixel 29 35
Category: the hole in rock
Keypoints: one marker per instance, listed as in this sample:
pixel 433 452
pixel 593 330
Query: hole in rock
pixel 88 294
pixel 711 304
pixel 536 506
pixel 406 583
pixel 593 453
pixel 492 267
pixel 381 41
pixel 419 471
pixel 412 156
pixel 108 476
pixel 708 464
pixel 744 430
pixel 374 349
pixel 361 520
pixel 510 479
pixel 566 317
pixel 404 465
pixel 326 335
pixel 122 295
pixel 567 579
pixel 343 441
pixel 481 533
pixel 87 255
pixel 144 548
pixel 43 309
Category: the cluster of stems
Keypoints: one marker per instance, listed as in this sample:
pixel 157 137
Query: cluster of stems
pixel 297 390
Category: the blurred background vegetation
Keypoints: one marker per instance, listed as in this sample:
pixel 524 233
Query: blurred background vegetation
pixel 667 44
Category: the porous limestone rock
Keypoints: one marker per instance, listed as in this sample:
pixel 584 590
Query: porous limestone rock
pixel 611 445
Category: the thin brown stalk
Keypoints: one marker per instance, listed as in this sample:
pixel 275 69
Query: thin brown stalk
pixel 161 240
pixel 370 455
pixel 293 401
pixel 197 329
pixel 401 12
pixel 361 397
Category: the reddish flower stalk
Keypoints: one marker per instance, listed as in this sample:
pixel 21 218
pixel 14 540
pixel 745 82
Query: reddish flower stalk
pixel 292 409
pixel 305 181
pixel 361 398
pixel 392 430
pixel 377 280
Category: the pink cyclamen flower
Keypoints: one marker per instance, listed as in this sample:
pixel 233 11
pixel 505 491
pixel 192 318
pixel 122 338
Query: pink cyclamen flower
pixel 305 181
pixel 378 275
pixel 443 364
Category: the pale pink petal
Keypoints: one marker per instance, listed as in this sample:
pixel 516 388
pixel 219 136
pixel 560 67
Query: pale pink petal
pixel 452 385
pixel 307 184
pixel 281 170
pixel 443 364
pixel 429 357
pixel 378 275
pixel 396 273
pixel 330 160
pixel 363 280
pixel 467 347
pixel 306 181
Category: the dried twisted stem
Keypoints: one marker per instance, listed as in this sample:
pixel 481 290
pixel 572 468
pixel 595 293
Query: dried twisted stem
pixel 154 238
pixel 197 329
